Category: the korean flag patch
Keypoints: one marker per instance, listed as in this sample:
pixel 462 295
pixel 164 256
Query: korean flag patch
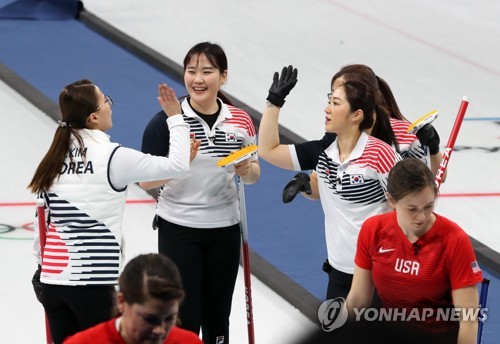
pixel 356 179
pixel 231 137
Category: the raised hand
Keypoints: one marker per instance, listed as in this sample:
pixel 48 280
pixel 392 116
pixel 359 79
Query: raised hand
pixel 282 85
pixel 168 100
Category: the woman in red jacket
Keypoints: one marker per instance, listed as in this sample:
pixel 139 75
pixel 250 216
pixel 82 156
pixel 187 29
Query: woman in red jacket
pixel 420 262
pixel 148 300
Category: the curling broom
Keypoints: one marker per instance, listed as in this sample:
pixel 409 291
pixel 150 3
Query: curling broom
pixel 232 159
pixel 42 231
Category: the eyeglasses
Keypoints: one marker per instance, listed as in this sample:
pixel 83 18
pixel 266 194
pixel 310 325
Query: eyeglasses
pixel 108 100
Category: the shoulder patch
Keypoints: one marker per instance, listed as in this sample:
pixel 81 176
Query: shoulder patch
pixel 378 155
pixel 241 119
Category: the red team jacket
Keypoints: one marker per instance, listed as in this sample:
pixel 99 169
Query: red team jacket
pixel 106 333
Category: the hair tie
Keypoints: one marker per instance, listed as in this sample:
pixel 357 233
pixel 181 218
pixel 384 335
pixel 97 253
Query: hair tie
pixel 62 124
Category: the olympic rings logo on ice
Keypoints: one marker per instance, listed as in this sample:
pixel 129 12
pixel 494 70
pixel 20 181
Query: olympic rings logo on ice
pixel 8 232
pixel 332 314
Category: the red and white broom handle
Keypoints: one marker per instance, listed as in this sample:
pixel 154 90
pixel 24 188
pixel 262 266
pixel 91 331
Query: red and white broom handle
pixel 246 261
pixel 42 225
pixel 451 141
pixel 42 231
pixel 439 176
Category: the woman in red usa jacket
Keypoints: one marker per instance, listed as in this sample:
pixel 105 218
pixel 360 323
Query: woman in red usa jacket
pixel 150 292
pixel 421 263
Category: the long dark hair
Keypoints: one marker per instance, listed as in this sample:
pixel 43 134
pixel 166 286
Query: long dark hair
pixel 217 57
pixel 361 97
pixel 389 100
pixel 382 128
pixel 76 102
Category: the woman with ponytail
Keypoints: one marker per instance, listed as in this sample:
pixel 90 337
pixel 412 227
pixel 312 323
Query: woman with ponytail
pixel 389 125
pixel 351 169
pixel 83 179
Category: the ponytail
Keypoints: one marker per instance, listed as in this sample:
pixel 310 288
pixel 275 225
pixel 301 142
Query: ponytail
pixel 389 100
pixel 76 102
pixel 51 164
pixel 382 128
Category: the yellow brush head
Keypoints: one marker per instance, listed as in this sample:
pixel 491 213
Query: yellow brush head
pixel 425 119
pixel 238 156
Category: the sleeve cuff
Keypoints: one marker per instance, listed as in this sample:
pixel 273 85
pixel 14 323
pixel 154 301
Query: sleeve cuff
pixel 175 120
pixel 294 157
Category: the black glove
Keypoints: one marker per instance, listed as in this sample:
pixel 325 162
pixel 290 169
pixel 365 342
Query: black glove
pixel 37 285
pixel 428 136
pixel 299 183
pixel 282 85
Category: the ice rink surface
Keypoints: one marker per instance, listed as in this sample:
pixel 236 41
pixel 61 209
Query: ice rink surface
pixel 431 54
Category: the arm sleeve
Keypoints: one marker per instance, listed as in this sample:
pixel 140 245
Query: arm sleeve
pixel 363 257
pixel 463 266
pixel 37 252
pixel 129 166
pixel 36 243
pixel 251 139
pixel 418 151
pixel 305 155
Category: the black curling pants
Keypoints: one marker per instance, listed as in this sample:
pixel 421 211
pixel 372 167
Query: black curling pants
pixel 339 285
pixel 208 260
pixel 71 309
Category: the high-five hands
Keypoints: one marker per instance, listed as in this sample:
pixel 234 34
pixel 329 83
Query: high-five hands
pixel 282 85
pixel 168 100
